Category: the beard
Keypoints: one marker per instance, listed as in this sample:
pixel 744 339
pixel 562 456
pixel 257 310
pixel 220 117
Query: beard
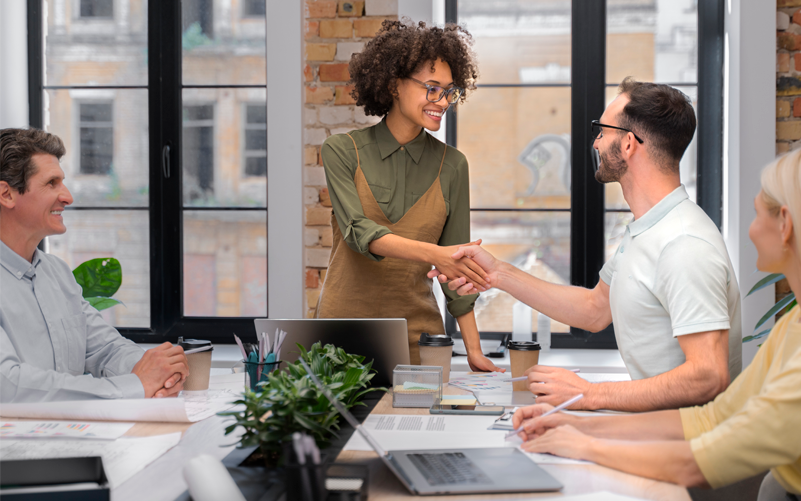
pixel 612 165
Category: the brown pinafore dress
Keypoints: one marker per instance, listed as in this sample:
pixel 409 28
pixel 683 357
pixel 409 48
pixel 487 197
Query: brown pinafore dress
pixel 358 287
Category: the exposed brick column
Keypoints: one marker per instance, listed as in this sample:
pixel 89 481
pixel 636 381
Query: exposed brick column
pixel 335 30
pixel 788 89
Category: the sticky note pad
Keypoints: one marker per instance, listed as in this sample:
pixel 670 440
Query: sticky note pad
pixel 458 400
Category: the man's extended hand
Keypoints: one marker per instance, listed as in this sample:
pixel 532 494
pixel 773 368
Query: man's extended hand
pixel 161 367
pixel 554 385
pixel 443 259
pixel 461 285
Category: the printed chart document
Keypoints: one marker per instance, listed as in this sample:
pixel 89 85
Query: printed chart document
pixel 63 429
pixel 122 458
pixel 187 409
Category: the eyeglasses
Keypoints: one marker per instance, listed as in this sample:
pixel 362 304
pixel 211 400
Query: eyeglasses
pixel 435 92
pixel 598 131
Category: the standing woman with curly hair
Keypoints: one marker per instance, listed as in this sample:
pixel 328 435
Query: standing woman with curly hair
pixel 401 198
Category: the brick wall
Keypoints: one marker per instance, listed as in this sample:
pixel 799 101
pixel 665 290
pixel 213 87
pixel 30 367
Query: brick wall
pixel 788 88
pixel 334 30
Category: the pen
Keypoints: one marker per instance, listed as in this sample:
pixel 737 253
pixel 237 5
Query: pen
pixel 555 409
pixel 523 378
pixel 196 350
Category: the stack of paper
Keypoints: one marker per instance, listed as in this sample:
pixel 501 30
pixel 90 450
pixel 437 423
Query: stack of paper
pixel 63 429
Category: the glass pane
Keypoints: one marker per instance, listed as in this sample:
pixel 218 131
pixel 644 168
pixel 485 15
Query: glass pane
pixel 225 263
pixel 520 41
pixel 106 135
pixel 223 43
pixel 652 40
pixel 517 141
pixel 538 243
pixel 220 139
pixel 90 42
pixel 688 166
pixel 120 234
pixel 614 229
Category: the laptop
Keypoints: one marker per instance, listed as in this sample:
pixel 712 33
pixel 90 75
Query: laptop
pixel 454 471
pixel 385 341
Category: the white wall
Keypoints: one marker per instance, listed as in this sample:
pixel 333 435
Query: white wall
pixel 285 160
pixel 13 64
pixel 749 141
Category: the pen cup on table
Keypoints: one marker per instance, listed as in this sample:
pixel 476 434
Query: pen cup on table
pixel 522 355
pixel 257 372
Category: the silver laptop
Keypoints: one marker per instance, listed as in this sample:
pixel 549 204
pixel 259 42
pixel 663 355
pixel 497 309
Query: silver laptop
pixel 385 341
pixel 454 471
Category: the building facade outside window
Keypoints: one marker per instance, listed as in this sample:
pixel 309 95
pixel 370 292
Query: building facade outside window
pixel 96 129
pixel 96 9
pixel 255 140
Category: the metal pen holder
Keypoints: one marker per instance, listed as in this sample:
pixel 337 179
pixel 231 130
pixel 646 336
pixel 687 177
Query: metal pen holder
pixel 416 386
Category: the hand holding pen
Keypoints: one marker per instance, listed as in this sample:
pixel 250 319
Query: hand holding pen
pixel 563 405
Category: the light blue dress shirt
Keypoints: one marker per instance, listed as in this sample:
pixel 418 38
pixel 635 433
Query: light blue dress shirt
pixel 50 337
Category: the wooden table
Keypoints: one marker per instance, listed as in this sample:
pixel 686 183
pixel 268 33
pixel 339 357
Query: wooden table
pixel 577 479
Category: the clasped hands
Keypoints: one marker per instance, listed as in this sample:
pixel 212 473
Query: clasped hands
pixel 468 268
pixel 162 371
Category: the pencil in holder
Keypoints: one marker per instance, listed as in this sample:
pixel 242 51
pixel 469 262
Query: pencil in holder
pixel 303 482
pixel 257 372
pixel 416 385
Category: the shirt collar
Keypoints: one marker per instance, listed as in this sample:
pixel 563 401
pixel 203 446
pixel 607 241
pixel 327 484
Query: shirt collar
pixel 387 144
pixel 18 265
pixel 658 211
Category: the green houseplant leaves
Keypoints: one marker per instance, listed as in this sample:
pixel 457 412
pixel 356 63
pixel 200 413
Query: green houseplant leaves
pixel 99 280
pixel 787 302
pixel 289 401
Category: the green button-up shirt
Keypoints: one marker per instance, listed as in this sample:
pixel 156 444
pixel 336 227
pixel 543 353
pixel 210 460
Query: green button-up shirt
pixel 398 177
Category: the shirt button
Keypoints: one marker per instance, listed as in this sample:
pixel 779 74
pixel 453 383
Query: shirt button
pixel 19 274
pixel 401 148
pixel 622 250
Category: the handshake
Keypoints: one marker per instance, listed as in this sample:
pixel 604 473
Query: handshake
pixel 468 269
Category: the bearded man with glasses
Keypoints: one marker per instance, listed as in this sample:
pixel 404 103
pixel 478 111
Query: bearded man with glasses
pixel 670 288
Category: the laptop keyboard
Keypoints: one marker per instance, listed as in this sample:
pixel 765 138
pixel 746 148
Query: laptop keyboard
pixel 448 468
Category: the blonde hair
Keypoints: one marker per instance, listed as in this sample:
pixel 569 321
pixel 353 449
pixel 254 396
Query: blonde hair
pixel 781 186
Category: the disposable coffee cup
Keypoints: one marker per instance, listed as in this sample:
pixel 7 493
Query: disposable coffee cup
pixel 522 355
pixel 436 350
pixel 199 364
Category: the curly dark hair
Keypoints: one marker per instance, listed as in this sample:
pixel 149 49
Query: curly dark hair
pixel 398 50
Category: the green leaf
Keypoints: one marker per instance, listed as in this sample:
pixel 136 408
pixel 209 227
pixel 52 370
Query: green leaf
pixel 101 303
pixel 757 336
pixel 776 309
pixel 99 277
pixel 769 280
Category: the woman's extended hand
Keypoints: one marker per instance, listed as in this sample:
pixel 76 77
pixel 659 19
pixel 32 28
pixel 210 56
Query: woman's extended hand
pixel 442 259
pixel 479 363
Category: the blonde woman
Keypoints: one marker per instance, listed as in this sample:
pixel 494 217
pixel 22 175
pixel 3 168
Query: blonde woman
pixel 751 427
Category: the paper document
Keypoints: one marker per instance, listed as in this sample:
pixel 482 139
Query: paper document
pixel 177 410
pixel 122 458
pixel 594 496
pixel 551 459
pixel 63 429
pixel 606 377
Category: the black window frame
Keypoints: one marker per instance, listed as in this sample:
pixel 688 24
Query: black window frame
pixel 588 85
pixel 166 207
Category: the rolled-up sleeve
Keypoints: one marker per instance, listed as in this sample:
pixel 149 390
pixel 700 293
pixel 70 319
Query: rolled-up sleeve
pixel 457 230
pixel 357 230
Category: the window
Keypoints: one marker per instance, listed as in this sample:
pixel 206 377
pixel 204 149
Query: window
pixel 97 137
pixel 547 69
pixel 255 8
pixel 256 140
pixel 198 161
pixel 97 8
pixel 157 107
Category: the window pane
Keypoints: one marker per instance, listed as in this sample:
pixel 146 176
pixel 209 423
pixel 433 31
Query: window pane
pixel 517 141
pixel 255 8
pixel 688 166
pixel 106 135
pixel 652 40
pixel 225 263
pixel 520 41
pixel 538 243
pixel 120 234
pixel 218 142
pixel 220 46
pixel 87 43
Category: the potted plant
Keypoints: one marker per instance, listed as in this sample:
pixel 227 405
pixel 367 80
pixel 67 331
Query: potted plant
pixel 290 402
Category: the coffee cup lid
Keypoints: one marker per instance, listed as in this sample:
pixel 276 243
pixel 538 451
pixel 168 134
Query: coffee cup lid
pixel 523 345
pixel 427 339
pixel 191 344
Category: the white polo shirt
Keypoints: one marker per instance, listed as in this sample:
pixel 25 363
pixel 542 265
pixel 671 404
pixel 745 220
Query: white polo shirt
pixel 671 276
